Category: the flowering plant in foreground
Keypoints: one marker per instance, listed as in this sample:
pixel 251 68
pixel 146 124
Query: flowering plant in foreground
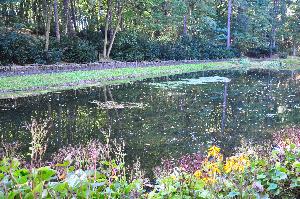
pixel 240 176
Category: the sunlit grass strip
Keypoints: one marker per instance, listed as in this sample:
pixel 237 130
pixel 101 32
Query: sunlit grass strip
pixel 64 80
pixel 19 86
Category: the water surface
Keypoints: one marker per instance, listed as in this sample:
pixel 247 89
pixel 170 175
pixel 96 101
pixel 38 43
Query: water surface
pixel 179 114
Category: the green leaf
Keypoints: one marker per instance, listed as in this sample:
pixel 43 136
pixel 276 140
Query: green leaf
pixel 261 176
pixel 199 185
pixel 279 176
pixel 12 194
pixel 65 164
pixel 38 188
pixel 272 186
pixel 295 182
pixel 29 196
pixel 45 173
pixel 61 187
pixel 233 194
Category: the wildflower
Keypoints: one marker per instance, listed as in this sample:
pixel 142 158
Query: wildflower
pixel 209 180
pixel 236 163
pixel 213 168
pixel 173 177
pixel 258 186
pixel 228 165
pixel 198 174
pixel 62 176
pixel 213 151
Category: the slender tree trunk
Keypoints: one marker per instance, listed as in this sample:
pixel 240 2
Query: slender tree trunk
pixel 73 12
pixel 47 33
pixel 229 24
pixel 184 26
pixel 56 21
pixel 274 25
pixel 106 29
pixel 66 20
pixel 115 33
pixel 100 12
pixel 294 49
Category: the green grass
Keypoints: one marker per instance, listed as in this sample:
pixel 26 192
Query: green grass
pixel 19 86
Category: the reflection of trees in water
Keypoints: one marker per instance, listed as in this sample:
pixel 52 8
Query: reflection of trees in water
pixel 175 122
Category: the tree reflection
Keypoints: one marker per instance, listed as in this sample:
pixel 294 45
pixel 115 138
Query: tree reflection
pixel 176 121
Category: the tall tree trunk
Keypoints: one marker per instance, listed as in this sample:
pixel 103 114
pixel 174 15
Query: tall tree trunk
pixel 229 24
pixel 47 32
pixel 274 25
pixel 294 49
pixel 100 11
pixel 56 21
pixel 108 21
pixel 115 33
pixel 108 13
pixel 73 13
pixel 66 18
pixel 184 26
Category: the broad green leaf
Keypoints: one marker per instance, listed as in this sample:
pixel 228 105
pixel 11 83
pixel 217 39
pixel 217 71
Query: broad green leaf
pixel 45 173
pixel 272 186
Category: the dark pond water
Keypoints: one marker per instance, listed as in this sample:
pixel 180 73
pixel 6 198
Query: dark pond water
pixel 182 114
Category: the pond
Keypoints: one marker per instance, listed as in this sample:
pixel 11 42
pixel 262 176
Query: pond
pixel 163 117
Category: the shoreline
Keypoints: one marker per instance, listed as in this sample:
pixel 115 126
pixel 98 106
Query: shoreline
pixel 35 84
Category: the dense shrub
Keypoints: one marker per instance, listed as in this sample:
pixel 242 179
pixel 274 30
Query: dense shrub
pixel 259 52
pixel 132 46
pixel 20 48
pixel 283 55
pixel 77 50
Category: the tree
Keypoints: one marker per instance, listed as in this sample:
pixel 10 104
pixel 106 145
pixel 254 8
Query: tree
pixel 229 24
pixel 48 8
pixel 56 21
pixel 114 9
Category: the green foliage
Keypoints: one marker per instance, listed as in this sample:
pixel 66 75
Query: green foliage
pixel 131 46
pixel 45 182
pixel 283 55
pixel 243 176
pixel 240 176
pixel 77 50
pixel 153 30
pixel 259 52
pixel 24 48
pixel 20 48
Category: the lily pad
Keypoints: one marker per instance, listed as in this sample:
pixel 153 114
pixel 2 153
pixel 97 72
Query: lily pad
pixel 116 105
pixel 198 81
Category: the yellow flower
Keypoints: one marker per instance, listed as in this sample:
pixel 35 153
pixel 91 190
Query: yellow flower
pixel 198 174
pixel 173 177
pixel 213 168
pixel 236 163
pixel 228 166
pixel 213 151
pixel 208 180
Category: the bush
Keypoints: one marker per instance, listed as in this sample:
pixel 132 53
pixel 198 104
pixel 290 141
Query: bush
pixel 259 52
pixel 77 50
pixel 283 55
pixel 19 48
pixel 132 46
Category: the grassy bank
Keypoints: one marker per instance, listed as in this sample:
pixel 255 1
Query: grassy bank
pixel 19 86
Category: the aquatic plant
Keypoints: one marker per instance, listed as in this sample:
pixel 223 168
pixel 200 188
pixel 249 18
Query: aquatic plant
pixel 242 175
pixel 39 139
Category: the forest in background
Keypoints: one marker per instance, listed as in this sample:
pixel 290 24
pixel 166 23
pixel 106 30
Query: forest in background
pixel 79 31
